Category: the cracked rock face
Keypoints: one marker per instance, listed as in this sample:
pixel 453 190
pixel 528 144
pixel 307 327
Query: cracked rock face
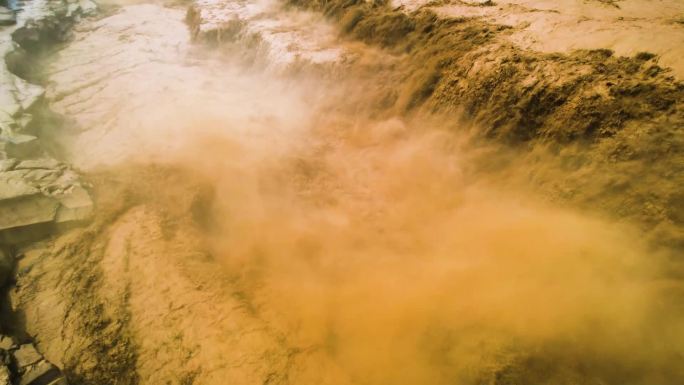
pixel 24 365
pixel 40 372
pixel 39 192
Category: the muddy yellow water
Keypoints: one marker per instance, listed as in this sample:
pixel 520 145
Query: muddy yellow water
pixel 331 247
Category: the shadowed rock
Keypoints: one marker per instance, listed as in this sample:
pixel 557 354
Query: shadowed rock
pixel 6 265
pixel 33 369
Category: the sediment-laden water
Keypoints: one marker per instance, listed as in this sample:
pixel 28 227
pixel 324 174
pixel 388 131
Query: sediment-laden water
pixel 259 220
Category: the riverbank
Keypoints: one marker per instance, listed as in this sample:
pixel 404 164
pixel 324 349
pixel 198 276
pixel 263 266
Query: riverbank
pixel 38 194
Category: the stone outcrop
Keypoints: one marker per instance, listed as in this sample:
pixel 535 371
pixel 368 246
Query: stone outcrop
pixel 37 193
pixel 22 364
pixel 33 369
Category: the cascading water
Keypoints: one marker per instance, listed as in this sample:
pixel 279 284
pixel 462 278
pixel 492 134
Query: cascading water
pixel 255 226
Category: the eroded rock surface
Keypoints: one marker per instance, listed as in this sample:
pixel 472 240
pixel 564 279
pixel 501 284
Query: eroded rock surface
pixel 37 193
pixel 24 365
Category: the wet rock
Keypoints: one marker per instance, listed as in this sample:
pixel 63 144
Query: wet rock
pixel 36 195
pixel 26 355
pixel 22 203
pixel 40 373
pixel 28 35
pixel 53 24
pixel 7 17
pixel 33 369
pixel 27 210
pixel 25 365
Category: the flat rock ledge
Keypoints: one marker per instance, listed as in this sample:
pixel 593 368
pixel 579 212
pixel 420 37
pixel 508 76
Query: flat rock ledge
pixel 37 196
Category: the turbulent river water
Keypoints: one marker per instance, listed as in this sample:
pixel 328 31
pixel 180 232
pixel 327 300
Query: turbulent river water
pixel 269 231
